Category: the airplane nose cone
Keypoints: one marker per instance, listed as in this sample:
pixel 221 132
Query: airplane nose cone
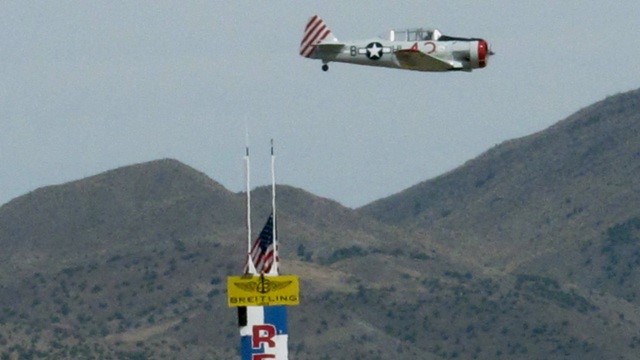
pixel 483 51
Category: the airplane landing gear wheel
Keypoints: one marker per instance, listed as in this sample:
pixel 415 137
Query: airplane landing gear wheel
pixel 325 67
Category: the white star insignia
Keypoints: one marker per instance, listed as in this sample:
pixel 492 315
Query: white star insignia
pixel 374 51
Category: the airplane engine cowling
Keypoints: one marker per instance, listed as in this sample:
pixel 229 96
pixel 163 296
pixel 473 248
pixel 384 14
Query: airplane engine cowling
pixel 478 51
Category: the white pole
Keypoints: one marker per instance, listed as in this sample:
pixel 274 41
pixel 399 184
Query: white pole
pixel 274 268
pixel 251 269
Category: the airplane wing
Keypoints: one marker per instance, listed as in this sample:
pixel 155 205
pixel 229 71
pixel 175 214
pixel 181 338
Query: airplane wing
pixel 417 60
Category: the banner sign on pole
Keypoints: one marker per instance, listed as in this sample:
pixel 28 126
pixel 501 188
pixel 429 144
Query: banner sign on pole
pixel 253 290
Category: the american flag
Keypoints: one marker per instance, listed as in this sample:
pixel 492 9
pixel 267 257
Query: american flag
pixel 262 251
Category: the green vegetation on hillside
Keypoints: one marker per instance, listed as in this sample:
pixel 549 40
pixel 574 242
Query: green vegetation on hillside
pixel 530 251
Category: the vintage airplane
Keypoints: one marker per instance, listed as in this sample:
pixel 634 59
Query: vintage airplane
pixel 412 49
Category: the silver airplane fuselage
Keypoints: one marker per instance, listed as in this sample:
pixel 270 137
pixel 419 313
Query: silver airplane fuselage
pixel 460 55
pixel 411 49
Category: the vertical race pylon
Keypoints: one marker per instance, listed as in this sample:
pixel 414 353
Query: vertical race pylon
pixel 261 294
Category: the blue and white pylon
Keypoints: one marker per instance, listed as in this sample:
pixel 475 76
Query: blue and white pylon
pixel 263 329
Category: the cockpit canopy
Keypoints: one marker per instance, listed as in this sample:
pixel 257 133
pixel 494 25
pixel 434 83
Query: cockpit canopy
pixel 418 34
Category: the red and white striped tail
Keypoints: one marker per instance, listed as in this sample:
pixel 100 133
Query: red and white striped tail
pixel 315 32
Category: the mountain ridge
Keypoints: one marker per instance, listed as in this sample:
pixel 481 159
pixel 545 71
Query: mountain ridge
pixel 531 250
pixel 577 155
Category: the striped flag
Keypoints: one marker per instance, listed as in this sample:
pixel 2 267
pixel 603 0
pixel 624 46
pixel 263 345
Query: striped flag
pixel 262 251
pixel 263 329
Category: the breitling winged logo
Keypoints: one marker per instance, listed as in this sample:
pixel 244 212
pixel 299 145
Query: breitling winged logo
pixel 263 285
pixel 261 290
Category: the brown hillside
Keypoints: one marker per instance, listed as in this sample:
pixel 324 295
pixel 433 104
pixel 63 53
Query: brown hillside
pixel 53 227
pixel 525 198
pixel 530 251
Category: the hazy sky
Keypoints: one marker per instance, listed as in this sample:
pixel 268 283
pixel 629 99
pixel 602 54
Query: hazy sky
pixel 89 86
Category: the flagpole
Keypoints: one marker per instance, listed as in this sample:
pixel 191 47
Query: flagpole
pixel 274 268
pixel 250 268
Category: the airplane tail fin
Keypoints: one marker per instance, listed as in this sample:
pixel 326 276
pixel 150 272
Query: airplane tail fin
pixel 315 32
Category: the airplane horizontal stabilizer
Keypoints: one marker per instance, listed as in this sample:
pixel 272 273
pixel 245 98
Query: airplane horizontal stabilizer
pixel 331 48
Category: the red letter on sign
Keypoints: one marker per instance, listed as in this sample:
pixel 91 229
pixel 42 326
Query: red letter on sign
pixel 262 356
pixel 263 334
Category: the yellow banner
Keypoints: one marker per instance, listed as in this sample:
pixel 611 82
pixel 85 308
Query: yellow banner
pixel 259 290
